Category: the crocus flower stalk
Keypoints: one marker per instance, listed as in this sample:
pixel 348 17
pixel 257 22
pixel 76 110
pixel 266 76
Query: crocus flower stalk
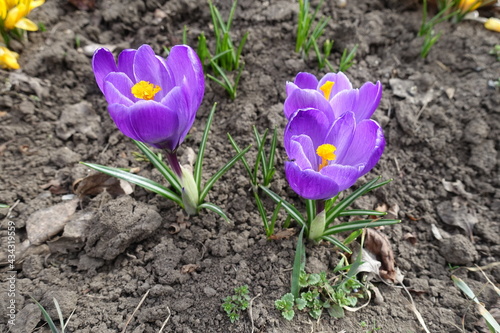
pixel 153 100
pixel 329 139
pixel 13 14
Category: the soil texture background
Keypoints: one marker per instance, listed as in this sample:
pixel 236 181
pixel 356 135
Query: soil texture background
pixel 441 118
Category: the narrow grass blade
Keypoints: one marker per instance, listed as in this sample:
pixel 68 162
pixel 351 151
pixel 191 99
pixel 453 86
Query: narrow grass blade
pixel 59 313
pixel 311 210
pixel 243 159
pixel 260 154
pixel 298 264
pixel 240 49
pixel 167 173
pixel 355 225
pixel 460 284
pixel 270 161
pixel 341 206
pixel 214 208
pixel 361 212
pixel 337 243
pixel 355 234
pixel 46 316
pixel 262 212
pixel 274 218
pixel 222 171
pixel 4 206
pixel 138 180
pixel 201 151
pixel 290 209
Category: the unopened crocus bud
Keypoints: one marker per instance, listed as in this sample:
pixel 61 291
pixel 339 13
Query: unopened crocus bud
pixel 492 24
pixel 317 226
pixel 190 196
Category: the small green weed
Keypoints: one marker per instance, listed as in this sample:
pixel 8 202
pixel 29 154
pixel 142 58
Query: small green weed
pixel 236 303
pixel 319 293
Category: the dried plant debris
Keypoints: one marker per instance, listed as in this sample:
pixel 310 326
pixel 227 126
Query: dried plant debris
pixel 456 213
pixel 97 183
pixel 378 245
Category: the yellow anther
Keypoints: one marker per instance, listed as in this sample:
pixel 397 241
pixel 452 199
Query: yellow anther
pixel 145 90
pixel 326 88
pixel 327 153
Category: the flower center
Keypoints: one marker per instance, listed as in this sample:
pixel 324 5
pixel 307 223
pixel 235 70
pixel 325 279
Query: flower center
pixel 326 88
pixel 145 90
pixel 326 152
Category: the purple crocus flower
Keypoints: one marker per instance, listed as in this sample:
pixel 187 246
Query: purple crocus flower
pixel 151 99
pixel 330 145
pixel 338 95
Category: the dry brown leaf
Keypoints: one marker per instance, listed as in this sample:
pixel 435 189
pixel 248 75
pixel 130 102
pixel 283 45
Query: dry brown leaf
pixel 283 234
pixel 189 268
pixel 94 184
pixel 410 238
pixel 379 245
pixel 55 187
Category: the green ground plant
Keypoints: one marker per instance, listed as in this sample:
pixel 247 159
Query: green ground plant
pixel 225 63
pixel 319 294
pixel 233 305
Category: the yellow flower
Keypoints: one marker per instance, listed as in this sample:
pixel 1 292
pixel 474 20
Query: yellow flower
pixel 492 24
pixel 8 58
pixel 469 5
pixel 14 12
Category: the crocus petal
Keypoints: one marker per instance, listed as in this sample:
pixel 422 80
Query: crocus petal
pixel 377 151
pixel 343 175
pixel 341 82
pixel 147 121
pixel 103 63
pixel 310 184
pixel 368 100
pixel 150 69
pixel 117 89
pixel 310 122
pixel 307 99
pixel 176 100
pixel 302 152
pixel 305 80
pixel 185 66
pixel 366 147
pixel 290 88
pixel 26 24
pixel 344 102
pixel 126 63
pixel 341 134
pixel 36 3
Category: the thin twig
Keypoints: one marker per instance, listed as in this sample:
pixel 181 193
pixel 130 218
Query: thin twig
pixel 10 209
pixel 250 312
pixel 166 321
pixel 137 308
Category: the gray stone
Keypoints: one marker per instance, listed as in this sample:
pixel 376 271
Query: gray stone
pixel 458 250
pixel 120 223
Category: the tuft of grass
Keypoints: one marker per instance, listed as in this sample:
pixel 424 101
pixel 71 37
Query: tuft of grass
pixel 50 321
pixel 226 63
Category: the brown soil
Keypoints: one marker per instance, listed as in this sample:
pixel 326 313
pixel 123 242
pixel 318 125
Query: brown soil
pixel 441 118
